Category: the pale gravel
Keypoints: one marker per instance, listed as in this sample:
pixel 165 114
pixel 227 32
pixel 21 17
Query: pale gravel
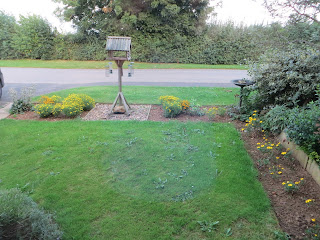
pixel 102 112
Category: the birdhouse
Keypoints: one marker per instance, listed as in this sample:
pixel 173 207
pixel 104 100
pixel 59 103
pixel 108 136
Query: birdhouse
pixel 119 48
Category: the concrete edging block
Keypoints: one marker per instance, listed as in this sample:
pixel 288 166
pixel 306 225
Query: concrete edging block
pixel 308 164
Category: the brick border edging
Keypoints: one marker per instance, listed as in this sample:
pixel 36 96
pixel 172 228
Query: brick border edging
pixel 307 163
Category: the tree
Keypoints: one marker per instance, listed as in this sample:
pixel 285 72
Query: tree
pixel 33 38
pixel 102 17
pixel 298 10
pixel 7 26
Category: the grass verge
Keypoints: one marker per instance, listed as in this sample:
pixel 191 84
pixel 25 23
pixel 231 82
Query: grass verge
pixel 138 180
pixel 150 95
pixel 68 64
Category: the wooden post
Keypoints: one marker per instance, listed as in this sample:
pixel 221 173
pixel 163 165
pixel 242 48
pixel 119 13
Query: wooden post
pixel 120 74
pixel 120 97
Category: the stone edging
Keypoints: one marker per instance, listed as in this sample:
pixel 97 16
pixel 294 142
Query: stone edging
pixel 307 163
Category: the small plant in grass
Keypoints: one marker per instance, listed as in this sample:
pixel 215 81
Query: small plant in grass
pixel 211 113
pixel 21 218
pixel 21 103
pixel 292 187
pixel 208 226
pixel 160 183
pixel 44 110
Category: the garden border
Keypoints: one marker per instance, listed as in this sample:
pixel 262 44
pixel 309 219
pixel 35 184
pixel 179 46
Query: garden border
pixel 306 162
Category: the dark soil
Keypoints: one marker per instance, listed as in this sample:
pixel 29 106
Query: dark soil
pixel 293 213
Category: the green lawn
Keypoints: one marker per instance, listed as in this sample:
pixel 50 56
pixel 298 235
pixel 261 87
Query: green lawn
pixel 64 64
pixel 137 180
pixel 150 95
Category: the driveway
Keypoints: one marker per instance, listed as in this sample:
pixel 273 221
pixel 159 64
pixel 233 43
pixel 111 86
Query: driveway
pixel 49 80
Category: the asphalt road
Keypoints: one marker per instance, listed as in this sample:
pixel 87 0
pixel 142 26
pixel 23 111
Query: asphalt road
pixel 50 80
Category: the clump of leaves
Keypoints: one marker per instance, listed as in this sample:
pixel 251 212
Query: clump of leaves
pixel 22 102
pixel 21 218
pixel 208 226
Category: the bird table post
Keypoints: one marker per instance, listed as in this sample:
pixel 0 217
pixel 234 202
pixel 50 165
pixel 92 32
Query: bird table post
pixel 119 50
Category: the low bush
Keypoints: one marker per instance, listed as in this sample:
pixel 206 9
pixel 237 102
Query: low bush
pixel 88 102
pixel 72 109
pixel 185 104
pixel 44 110
pixel 71 106
pixel 286 77
pixel 211 113
pixel 21 218
pixel 277 119
pixel 57 109
pixel 302 125
pixel 171 106
pixel 22 102
pixel 171 109
pixel 222 111
pixel 195 109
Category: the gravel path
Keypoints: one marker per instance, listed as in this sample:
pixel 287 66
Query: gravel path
pixel 102 112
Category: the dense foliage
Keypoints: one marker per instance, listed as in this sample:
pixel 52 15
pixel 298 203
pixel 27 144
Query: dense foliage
pixel 302 125
pixel 33 38
pixel 161 31
pixel 21 218
pixel 286 77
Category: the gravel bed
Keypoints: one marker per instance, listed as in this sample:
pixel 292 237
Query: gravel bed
pixel 102 112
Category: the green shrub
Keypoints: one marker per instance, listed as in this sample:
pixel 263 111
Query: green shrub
pixel 44 110
pixel 19 107
pixel 21 218
pixel 72 109
pixel 88 102
pixel 195 109
pixel 171 109
pixel 286 77
pixel 211 113
pixel 22 102
pixel 302 126
pixel 222 111
pixel 57 109
pixel 276 120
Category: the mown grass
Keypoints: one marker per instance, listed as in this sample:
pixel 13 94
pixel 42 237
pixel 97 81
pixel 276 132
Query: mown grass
pixel 68 64
pixel 101 178
pixel 150 95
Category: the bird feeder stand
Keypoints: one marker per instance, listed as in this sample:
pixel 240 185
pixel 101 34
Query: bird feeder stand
pixel 119 50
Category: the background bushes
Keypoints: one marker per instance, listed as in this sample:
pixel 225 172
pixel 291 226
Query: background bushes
pixel 287 78
pixel 33 37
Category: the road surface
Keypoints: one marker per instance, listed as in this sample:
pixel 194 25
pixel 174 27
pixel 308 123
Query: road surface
pixel 49 80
